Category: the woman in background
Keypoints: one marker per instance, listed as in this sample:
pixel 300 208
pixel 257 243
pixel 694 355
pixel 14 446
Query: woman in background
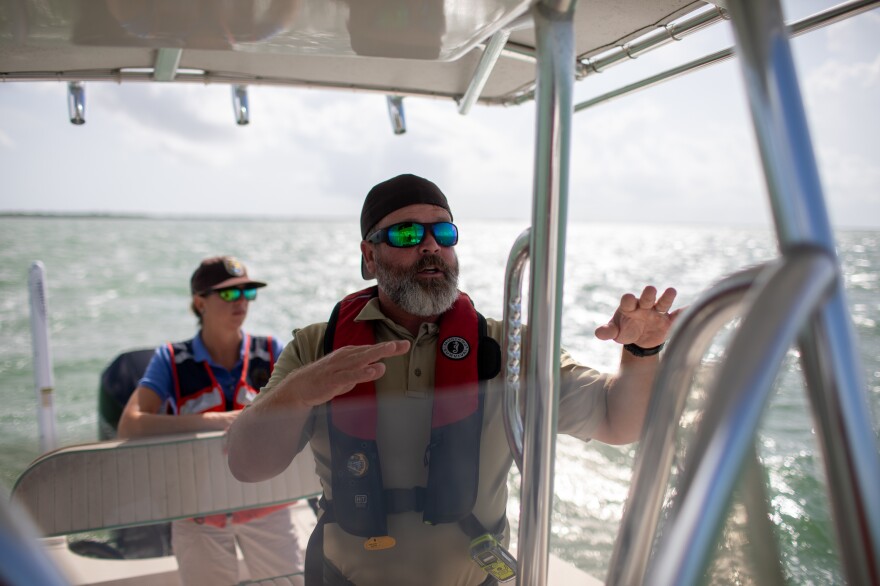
pixel 201 384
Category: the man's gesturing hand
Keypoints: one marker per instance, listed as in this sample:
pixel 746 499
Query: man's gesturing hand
pixel 644 321
pixel 339 372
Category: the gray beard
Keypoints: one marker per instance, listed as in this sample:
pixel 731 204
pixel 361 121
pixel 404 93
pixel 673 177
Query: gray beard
pixel 424 299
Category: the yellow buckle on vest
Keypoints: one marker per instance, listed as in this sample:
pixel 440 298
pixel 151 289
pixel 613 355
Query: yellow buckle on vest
pixel 377 543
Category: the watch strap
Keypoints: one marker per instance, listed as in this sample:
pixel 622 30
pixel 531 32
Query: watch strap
pixel 637 350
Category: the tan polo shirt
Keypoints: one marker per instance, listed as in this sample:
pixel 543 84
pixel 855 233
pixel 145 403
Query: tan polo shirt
pixel 426 554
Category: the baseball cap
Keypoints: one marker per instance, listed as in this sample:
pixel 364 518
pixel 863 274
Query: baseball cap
pixel 220 272
pixel 393 194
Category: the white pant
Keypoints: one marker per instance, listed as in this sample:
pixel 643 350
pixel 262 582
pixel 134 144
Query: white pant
pixel 206 554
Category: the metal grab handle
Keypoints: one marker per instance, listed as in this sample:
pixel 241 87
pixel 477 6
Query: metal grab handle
pixel 692 334
pixel 835 382
pixel 512 350
pixel 788 298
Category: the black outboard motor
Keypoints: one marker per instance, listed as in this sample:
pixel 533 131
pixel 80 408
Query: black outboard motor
pixel 118 382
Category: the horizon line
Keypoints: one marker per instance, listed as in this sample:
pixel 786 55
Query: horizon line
pixel 275 218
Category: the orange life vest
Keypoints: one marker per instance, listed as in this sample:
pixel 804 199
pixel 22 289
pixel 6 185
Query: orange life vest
pixel 196 388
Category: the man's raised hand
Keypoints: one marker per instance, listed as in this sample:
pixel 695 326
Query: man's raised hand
pixel 339 372
pixel 644 321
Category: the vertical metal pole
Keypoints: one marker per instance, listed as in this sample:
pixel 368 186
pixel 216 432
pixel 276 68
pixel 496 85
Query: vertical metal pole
pixel 850 462
pixel 553 98
pixel 44 380
pixel 765 555
pixel 834 379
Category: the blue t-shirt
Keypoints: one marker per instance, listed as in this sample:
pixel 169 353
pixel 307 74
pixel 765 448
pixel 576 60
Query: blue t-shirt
pixel 160 378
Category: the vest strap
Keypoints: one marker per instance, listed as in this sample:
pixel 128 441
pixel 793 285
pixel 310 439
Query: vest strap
pixel 314 565
pixel 402 500
pixel 313 569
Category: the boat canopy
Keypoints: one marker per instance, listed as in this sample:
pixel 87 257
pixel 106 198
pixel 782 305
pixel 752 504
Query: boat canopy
pixel 440 48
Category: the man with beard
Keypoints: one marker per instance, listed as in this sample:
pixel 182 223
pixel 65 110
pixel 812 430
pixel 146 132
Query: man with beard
pixel 399 398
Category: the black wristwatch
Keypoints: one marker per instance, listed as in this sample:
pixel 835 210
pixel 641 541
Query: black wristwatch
pixel 636 350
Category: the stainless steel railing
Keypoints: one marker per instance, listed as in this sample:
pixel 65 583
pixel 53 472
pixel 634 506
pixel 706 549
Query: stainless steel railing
pixel 512 344
pixel 789 295
pixel 805 25
pixel 834 376
pixel 801 297
pixel 693 333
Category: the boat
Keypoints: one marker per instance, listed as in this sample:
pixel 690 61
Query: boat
pixel 509 52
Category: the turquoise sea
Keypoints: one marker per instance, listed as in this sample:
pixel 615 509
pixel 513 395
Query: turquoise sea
pixel 116 284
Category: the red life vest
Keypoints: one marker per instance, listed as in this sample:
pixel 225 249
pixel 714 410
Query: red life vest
pixel 196 388
pixel 360 500
pixel 197 391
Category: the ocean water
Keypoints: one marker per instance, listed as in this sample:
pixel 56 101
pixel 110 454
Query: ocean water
pixel 120 284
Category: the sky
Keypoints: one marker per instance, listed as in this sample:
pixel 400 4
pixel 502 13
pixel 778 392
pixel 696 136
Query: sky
pixel 682 152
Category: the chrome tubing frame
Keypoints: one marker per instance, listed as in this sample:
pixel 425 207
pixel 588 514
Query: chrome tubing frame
pixel 834 375
pixel 805 25
pixel 794 292
pixel 512 351
pixel 659 36
pixel 554 32
pixel 766 557
pixel 484 69
pixel 857 533
pixel 691 336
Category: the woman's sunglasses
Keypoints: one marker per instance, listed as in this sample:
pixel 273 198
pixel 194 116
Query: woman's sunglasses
pixel 234 294
pixel 406 234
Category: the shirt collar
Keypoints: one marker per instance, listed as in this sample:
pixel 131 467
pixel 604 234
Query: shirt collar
pixel 200 353
pixel 373 312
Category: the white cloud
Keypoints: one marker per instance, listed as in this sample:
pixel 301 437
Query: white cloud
pixel 6 141
pixel 484 166
pixel 682 151
pixel 834 77
pixel 851 184
pixel 679 153
pixel 183 123
pixel 840 36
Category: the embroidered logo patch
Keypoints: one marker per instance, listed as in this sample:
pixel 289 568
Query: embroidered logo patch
pixel 360 501
pixel 455 348
pixel 233 267
pixel 357 464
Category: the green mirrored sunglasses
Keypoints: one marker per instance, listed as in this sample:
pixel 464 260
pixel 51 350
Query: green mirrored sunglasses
pixel 407 234
pixel 234 294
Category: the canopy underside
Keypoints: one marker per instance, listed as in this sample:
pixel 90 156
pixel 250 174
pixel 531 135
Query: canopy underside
pixel 427 47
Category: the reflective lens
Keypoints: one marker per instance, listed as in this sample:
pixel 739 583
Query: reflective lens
pixel 445 233
pixel 235 294
pixel 403 235
pixel 406 234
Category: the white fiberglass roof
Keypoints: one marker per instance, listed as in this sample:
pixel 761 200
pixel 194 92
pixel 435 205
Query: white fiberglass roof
pixel 406 47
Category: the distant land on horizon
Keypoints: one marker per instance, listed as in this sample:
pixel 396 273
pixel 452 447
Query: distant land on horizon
pixel 258 218
pixel 165 216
